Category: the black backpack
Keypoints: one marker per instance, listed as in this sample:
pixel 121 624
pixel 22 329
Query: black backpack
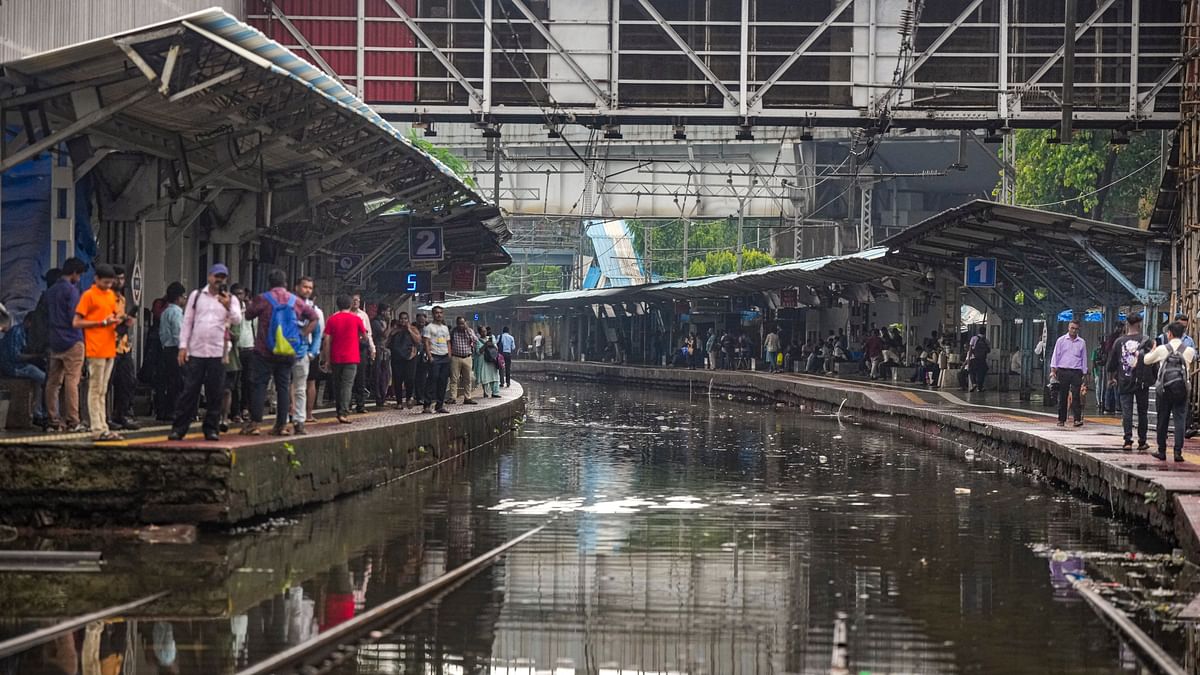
pixel 489 353
pixel 1172 375
pixel 981 349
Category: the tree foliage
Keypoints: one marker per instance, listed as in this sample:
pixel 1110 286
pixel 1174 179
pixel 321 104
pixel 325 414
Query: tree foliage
pixel 705 237
pixel 724 262
pixel 455 163
pixel 538 279
pixel 1068 178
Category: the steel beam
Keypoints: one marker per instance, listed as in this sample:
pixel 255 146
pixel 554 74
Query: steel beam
pixel 600 95
pixel 1069 267
pixel 798 51
pixel 1044 280
pixel 1142 295
pixel 1079 32
pixel 941 39
pixel 1030 296
pixel 82 124
pixel 687 50
pixel 435 50
pixel 1165 78
pixel 39 95
pixel 186 224
pixel 287 24
pixel 207 84
pixel 90 163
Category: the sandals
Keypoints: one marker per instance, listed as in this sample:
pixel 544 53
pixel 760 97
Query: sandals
pixel 110 436
pixel 343 420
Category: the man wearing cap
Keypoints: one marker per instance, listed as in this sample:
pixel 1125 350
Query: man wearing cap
pixel 207 314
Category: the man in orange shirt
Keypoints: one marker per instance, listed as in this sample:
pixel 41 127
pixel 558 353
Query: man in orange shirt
pixel 98 316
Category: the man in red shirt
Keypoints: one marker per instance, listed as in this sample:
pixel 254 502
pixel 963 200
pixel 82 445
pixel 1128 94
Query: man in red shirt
pixel 343 331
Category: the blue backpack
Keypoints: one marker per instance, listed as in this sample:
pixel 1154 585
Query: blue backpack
pixel 283 336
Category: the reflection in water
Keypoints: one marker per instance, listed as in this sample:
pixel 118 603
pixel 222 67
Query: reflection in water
pixel 692 537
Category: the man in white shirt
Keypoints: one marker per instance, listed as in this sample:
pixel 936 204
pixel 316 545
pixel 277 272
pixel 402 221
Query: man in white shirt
pixel 436 339
pixel 1171 393
pixel 539 348
pixel 304 361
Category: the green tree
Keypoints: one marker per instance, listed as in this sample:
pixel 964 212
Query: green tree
pixel 455 163
pixel 1068 178
pixel 537 279
pixel 704 237
pixel 724 262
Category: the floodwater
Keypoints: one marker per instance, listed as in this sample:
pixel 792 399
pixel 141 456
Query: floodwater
pixel 689 535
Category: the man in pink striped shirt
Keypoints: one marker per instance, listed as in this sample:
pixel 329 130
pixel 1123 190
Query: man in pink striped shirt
pixel 206 316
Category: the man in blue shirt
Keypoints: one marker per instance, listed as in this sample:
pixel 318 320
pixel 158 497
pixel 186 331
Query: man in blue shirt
pixel 16 362
pixel 170 325
pixel 66 349
pixel 508 345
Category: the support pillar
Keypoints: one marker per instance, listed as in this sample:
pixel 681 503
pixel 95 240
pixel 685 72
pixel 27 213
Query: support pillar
pixel 1151 284
pixel 1027 357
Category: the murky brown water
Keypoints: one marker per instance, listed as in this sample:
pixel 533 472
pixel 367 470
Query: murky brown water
pixel 692 536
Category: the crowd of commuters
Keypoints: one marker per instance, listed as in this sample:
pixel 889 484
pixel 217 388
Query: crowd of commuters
pixel 238 353
pixel 1125 368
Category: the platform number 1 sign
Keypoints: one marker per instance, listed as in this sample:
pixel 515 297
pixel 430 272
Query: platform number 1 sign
pixel 425 244
pixel 980 273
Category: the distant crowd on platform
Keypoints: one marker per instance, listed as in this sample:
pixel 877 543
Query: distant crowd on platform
pixel 1124 368
pixel 231 345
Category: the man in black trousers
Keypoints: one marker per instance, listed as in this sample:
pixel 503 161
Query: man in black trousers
pixel 202 346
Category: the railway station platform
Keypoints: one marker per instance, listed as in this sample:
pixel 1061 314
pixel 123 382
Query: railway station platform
pixel 1087 460
pixel 70 481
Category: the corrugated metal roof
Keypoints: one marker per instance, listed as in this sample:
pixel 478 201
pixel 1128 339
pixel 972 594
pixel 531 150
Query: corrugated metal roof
pixel 1027 243
pixel 864 266
pixel 214 43
pixel 466 302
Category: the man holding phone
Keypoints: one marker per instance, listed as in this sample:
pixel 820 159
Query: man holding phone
pixel 98 315
pixel 207 314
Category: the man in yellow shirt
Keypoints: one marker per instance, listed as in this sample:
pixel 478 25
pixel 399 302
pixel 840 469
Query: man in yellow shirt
pixel 97 314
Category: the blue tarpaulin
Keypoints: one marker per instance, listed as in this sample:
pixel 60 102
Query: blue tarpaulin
pixel 1090 316
pixel 26 201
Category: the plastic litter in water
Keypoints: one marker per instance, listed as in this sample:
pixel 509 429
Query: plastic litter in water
pixel 962 491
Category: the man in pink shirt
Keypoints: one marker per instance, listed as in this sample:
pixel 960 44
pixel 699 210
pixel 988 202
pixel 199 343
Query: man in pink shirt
pixel 206 317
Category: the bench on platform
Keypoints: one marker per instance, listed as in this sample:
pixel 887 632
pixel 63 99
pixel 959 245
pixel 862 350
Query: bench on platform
pixel 903 373
pixel 16 401
pixel 847 368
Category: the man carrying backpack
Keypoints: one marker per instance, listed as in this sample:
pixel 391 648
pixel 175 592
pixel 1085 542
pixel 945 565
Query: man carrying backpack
pixel 1187 342
pixel 1130 377
pixel 276 345
pixel 977 353
pixel 1171 387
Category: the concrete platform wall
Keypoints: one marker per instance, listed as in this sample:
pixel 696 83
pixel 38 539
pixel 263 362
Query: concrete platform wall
pixel 58 484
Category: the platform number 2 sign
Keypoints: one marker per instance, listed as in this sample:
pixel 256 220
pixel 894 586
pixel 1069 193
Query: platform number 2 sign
pixel 425 243
pixel 980 273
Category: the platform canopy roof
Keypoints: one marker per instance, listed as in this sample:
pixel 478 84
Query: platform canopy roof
pixel 865 267
pixel 1079 262
pixel 231 109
